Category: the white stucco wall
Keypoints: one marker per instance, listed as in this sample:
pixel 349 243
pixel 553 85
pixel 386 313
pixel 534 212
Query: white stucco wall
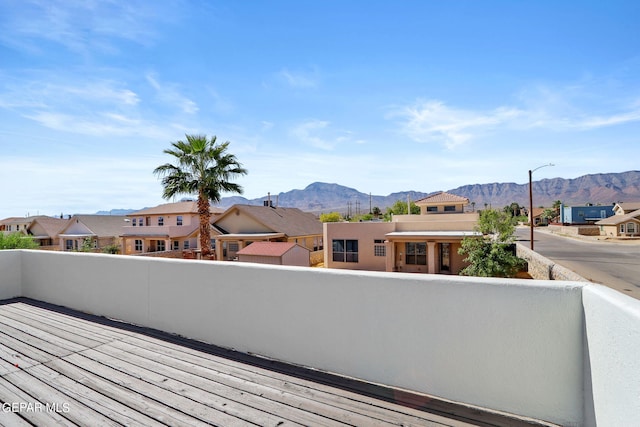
pixel 500 344
pixel 10 274
pixel 612 322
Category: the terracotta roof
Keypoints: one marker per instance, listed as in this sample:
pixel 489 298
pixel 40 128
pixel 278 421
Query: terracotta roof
pixel 274 249
pixel 190 207
pixel 442 197
pixel 617 219
pixel 291 221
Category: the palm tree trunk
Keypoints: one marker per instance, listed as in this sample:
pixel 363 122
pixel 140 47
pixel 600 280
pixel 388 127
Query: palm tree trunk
pixel 205 227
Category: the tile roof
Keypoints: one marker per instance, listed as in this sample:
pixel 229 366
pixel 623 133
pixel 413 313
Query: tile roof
pixel 291 221
pixel 190 207
pixel 442 197
pixel 274 249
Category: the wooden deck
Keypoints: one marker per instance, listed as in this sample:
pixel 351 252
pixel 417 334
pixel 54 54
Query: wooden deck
pixel 60 367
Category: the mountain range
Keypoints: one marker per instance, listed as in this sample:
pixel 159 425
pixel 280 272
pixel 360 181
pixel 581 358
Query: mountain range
pixel 602 188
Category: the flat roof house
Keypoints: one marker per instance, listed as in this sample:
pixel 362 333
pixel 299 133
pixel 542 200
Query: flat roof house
pixel 166 227
pixel 242 224
pixel 425 243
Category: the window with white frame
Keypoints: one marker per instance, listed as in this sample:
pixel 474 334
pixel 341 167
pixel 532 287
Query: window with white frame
pixel 631 228
pixel 161 246
pixel 187 244
pixel 160 221
pixel 179 220
pixel 379 248
pixel 138 245
pixel 176 245
pixel 621 228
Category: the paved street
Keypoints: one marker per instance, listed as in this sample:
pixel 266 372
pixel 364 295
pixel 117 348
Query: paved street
pixel 615 264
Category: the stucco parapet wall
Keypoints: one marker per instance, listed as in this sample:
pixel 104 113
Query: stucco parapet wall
pixel 543 268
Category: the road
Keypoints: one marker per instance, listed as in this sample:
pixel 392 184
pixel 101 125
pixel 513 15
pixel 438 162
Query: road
pixel 612 263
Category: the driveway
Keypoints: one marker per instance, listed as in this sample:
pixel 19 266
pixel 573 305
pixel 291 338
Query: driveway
pixel 615 264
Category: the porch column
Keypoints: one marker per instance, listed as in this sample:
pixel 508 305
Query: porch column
pixel 390 249
pixel 431 257
pixel 218 249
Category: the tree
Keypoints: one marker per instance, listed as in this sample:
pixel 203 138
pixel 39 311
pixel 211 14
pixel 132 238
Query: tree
pixel 400 208
pixel 17 241
pixel 330 217
pixel 203 168
pixel 490 255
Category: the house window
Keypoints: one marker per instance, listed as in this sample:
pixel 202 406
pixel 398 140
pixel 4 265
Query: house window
pixel 179 220
pixel 631 228
pixel 345 250
pixel 379 249
pixel 186 244
pixel 416 253
pixel 138 245
pixel 621 228
pixel 140 222
pixel 234 246
pixel 68 244
pixel 449 208
pixel 161 246
pixel 445 256
pixel 176 245
pixel 160 221
pixel 133 222
pixel 18 227
pixel 432 209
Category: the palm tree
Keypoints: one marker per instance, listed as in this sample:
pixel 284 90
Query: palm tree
pixel 204 168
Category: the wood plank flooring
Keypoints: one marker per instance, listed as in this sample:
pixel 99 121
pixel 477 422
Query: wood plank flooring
pixel 59 367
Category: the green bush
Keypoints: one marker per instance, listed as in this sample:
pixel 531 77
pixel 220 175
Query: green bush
pixel 17 241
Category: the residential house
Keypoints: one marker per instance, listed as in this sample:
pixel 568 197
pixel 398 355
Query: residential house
pixel 100 230
pixel 585 214
pixel 45 230
pixel 13 224
pixel 276 253
pixel 625 222
pixel 167 227
pixel 241 225
pixel 425 243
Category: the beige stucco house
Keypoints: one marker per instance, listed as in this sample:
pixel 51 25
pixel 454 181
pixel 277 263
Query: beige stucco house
pixel 241 225
pixel 15 224
pixel 425 243
pixel 46 230
pixel 624 223
pixel 166 227
pixel 102 230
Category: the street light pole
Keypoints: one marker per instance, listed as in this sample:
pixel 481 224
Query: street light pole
pixel 531 201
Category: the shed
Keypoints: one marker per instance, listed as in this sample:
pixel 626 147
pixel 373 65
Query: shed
pixel 277 253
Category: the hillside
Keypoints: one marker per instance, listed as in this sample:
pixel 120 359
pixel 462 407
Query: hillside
pixel 605 188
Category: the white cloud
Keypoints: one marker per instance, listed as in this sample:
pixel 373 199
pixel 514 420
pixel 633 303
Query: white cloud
pixel 169 95
pixel 318 134
pixel 433 121
pixel 299 79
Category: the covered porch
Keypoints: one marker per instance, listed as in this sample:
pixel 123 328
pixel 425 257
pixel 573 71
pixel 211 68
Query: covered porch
pixel 433 252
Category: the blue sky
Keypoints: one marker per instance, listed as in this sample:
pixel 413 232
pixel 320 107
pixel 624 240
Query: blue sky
pixel 380 96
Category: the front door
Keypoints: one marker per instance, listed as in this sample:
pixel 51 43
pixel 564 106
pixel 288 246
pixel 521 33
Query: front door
pixel 445 257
